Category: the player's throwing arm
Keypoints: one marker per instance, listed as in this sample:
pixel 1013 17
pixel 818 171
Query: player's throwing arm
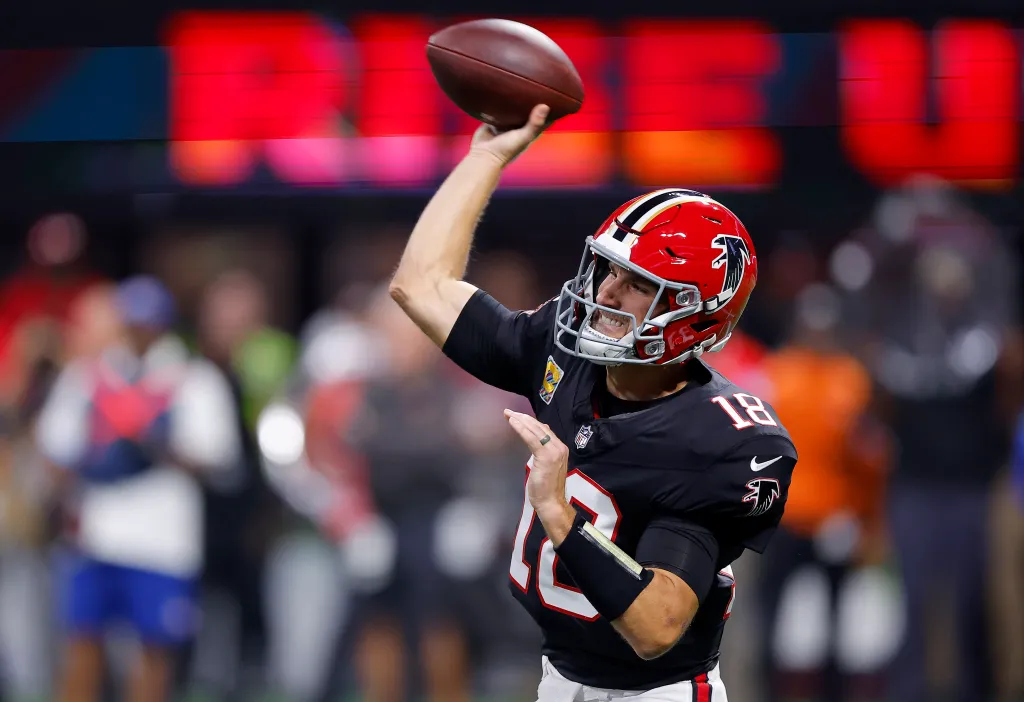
pixel 516 81
pixel 428 283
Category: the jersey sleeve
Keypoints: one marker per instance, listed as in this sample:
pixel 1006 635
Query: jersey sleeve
pixel 500 347
pixel 742 496
pixel 682 547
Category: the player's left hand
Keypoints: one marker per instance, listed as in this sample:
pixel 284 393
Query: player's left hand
pixel 545 485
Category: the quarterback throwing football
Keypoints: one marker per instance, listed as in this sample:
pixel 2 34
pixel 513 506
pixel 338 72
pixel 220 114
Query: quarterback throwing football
pixel 651 473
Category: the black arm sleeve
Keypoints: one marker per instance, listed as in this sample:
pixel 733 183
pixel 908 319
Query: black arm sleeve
pixel 684 548
pixel 500 347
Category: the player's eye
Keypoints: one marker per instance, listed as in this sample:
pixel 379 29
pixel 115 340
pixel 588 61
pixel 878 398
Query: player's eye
pixel 642 288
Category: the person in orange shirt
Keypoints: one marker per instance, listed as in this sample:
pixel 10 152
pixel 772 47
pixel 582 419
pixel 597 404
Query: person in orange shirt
pixel 834 511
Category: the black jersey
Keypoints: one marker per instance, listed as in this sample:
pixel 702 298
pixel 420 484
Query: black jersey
pixel 695 478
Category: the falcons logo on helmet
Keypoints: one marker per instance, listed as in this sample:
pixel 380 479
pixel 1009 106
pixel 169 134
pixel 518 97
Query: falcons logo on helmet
pixel 763 493
pixel 734 257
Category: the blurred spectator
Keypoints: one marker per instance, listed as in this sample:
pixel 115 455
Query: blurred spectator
pixel 935 302
pixel 310 463
pixel 131 431
pixel 833 515
pixel 37 348
pixel 38 297
pixel 340 353
pixel 94 323
pixel 406 616
pixel 1017 462
pixel 306 460
pixel 25 620
pixel 785 269
pixel 234 333
pixel 1007 520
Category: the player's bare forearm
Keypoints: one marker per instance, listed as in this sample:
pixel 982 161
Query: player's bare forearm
pixel 428 282
pixel 658 618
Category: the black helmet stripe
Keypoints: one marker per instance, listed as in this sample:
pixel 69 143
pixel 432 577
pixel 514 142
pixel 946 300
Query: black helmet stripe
pixel 655 201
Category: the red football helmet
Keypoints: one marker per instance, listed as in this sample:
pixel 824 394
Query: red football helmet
pixel 695 250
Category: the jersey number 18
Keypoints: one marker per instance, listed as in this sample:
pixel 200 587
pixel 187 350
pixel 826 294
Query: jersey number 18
pixel 754 407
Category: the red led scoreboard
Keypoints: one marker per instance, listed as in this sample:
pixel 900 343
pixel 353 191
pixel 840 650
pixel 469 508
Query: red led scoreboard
pixel 667 102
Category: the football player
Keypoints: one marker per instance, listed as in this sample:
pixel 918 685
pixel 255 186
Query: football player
pixel 651 473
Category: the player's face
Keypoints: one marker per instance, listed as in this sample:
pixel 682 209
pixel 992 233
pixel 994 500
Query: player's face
pixel 623 290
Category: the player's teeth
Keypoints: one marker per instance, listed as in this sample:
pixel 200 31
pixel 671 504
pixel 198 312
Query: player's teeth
pixel 608 320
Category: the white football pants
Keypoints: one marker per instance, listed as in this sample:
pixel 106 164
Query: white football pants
pixel 555 688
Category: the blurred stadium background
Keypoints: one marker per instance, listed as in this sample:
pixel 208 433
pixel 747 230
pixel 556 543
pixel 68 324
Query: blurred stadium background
pixel 266 159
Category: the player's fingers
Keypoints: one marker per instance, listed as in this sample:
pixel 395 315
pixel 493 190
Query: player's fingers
pixel 531 440
pixel 539 116
pixel 539 430
pixel 537 122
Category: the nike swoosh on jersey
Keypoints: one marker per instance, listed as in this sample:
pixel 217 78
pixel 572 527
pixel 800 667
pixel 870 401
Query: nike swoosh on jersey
pixel 755 466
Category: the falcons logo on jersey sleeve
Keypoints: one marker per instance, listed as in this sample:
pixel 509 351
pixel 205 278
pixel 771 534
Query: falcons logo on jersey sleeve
pixel 762 495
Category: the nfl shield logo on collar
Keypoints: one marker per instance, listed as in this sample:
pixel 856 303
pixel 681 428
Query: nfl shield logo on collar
pixel 583 436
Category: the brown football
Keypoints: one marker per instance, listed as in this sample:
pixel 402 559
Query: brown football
pixel 496 70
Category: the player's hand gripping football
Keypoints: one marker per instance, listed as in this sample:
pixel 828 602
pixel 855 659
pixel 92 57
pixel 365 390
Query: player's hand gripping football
pixel 545 485
pixel 506 146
